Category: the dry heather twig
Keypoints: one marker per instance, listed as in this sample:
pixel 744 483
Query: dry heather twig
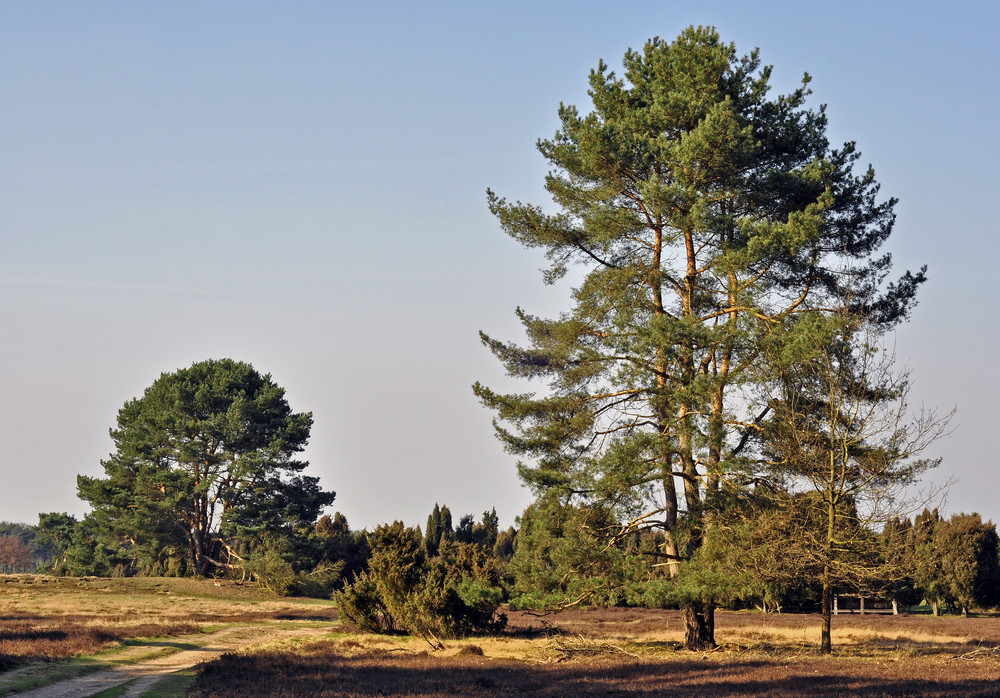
pixel 564 648
pixel 981 653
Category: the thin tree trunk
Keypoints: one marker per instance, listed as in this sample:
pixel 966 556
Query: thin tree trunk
pixel 825 643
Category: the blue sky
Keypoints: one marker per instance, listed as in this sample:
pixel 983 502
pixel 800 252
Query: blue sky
pixel 302 186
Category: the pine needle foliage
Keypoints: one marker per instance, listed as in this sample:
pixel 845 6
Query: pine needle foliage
pixel 205 459
pixel 704 213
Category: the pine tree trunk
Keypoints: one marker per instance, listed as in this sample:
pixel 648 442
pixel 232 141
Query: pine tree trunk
pixel 670 548
pixel 699 619
pixel 825 642
pixel 199 557
pixel 193 549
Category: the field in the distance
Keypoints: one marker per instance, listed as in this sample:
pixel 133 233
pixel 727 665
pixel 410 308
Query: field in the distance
pixel 636 652
pixel 58 628
pixel 55 617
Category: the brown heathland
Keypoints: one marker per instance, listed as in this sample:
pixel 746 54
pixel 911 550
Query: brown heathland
pixel 636 652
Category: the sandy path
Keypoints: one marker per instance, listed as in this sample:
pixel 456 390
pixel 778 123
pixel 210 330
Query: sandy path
pixel 149 671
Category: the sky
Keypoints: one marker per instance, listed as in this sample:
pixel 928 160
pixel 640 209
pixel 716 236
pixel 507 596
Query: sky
pixel 301 185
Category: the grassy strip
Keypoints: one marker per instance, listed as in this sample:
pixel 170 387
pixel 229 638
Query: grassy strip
pixel 117 691
pixel 173 685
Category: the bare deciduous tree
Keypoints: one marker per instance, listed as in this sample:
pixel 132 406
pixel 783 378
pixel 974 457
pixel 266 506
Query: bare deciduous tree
pixel 843 431
pixel 15 554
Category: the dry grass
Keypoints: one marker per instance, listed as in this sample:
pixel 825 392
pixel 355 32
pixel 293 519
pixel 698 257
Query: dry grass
pixel 26 638
pixel 45 618
pixel 635 652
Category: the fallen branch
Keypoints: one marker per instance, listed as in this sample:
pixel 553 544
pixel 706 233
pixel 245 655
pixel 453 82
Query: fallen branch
pixel 981 653
pixel 431 639
pixel 566 648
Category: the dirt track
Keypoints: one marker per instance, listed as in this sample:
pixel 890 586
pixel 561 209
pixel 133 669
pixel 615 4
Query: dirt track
pixel 193 650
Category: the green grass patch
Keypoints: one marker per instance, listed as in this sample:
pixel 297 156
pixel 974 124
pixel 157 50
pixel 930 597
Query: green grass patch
pixel 160 642
pixel 119 690
pixel 173 685
pixel 38 675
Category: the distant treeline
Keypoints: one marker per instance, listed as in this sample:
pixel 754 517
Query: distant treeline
pixel 559 555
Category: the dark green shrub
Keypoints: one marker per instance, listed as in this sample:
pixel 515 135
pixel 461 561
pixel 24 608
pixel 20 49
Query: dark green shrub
pixel 460 593
pixel 333 541
pixel 453 594
pixel 271 565
pixel 274 564
pixel 360 603
pixel 567 554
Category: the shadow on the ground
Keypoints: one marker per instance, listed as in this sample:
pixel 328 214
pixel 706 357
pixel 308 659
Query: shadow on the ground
pixel 381 673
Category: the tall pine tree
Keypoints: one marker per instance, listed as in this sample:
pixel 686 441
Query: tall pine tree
pixel 705 214
pixel 206 459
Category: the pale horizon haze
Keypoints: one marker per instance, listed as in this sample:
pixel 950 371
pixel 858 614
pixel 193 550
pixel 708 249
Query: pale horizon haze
pixel 301 185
